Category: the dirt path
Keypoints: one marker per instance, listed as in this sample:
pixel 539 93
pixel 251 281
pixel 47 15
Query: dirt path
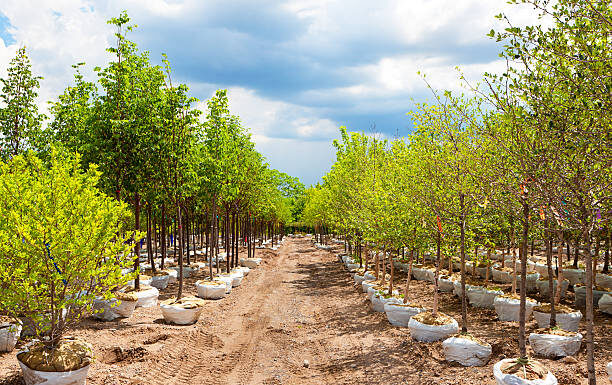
pixel 299 305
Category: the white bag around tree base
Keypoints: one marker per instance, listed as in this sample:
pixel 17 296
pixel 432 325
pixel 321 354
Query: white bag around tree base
pixel 37 377
pixel 358 278
pixel 551 345
pixel 211 290
pixel 180 316
pixel 378 302
pixel 511 379
pixel 482 297
pixel 112 309
pixel 147 298
pixel 445 285
pixel 574 276
pixel 9 335
pixel 251 263
pixel 160 282
pixel 352 266
pixel 566 321
pixel 430 333
pixel 399 314
pixel 543 287
pixel 501 276
pixel 227 280
pixel 466 352
pixel 604 280
pixel 366 284
pixel 508 309
pixel 605 303
pixel 245 270
pixel 172 275
pixel 580 298
pixel 422 274
pixel 236 278
pixel 609 368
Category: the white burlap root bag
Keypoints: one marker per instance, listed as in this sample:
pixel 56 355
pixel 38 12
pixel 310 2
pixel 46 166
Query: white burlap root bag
pixel 160 282
pixel 352 266
pixel 501 276
pixel 172 276
pixel 445 285
pixel 542 269
pixel 580 298
pixel 186 271
pixel 604 280
pixel 605 303
pixel 147 298
pixel 366 284
pixel 345 258
pixel 146 282
pixel 574 276
pixel 508 309
pixel 9 334
pixel 237 277
pixel 105 309
pixel 379 302
pixel 457 288
pixel 609 369
pixel 369 276
pixel 211 290
pixel 511 379
pixel 180 316
pixel 543 287
pixel 430 333
pixel 421 274
pixel 358 278
pixel 251 263
pixel 399 314
pixel 466 352
pixel 245 270
pixel 482 297
pixel 551 345
pixel 227 280
pixel 37 377
pixel 530 282
pixel 566 321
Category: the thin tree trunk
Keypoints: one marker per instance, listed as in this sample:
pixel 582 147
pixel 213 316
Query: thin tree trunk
pixel 523 255
pixel 464 324
pixel 137 246
pixel 589 308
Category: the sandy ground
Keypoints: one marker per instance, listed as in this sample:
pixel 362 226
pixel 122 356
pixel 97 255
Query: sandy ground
pixel 298 319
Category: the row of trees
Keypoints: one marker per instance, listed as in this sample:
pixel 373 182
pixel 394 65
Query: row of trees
pixel 527 157
pixel 190 177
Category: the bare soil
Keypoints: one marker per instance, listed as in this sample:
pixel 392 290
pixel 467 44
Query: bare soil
pixel 298 319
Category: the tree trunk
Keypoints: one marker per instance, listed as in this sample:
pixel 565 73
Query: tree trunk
pixel 137 246
pixel 464 323
pixel 436 295
pixel 180 258
pixel 409 276
pixel 589 308
pixel 149 239
pixel 523 255
pixel 164 245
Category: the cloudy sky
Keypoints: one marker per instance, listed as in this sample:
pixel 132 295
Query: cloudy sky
pixel 296 70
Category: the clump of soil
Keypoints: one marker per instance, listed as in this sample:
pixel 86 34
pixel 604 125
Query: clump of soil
pixel 210 282
pixel 407 305
pixel 517 297
pixel 528 369
pixel 185 302
pixel 6 321
pixel 118 354
pixel 70 354
pixel 545 308
pixel 128 297
pixel 427 318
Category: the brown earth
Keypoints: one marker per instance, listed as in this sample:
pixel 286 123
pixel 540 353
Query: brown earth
pixel 298 319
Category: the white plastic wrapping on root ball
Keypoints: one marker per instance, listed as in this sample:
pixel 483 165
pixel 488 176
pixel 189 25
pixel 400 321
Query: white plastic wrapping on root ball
pixel 251 263
pixel 530 282
pixel 430 333
pixel 482 297
pixel 604 280
pixel 369 276
pixel 358 278
pixel 551 345
pixel 245 270
pixel 37 377
pixel 172 275
pixel 399 314
pixel 580 298
pixel 501 276
pixel 9 334
pixel 466 352
pixel 227 280
pixel 147 298
pixel 160 282
pixel 445 285
pixel 542 268
pixel 566 321
pixel 352 266
pixel 457 288
pixel 574 276
pixel 179 315
pixel 543 287
pixel 366 284
pixel 605 303
pixel 609 368
pixel 511 379
pixel 237 277
pixel 379 302
pixel 508 309
pixel 421 274
pixel 211 290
